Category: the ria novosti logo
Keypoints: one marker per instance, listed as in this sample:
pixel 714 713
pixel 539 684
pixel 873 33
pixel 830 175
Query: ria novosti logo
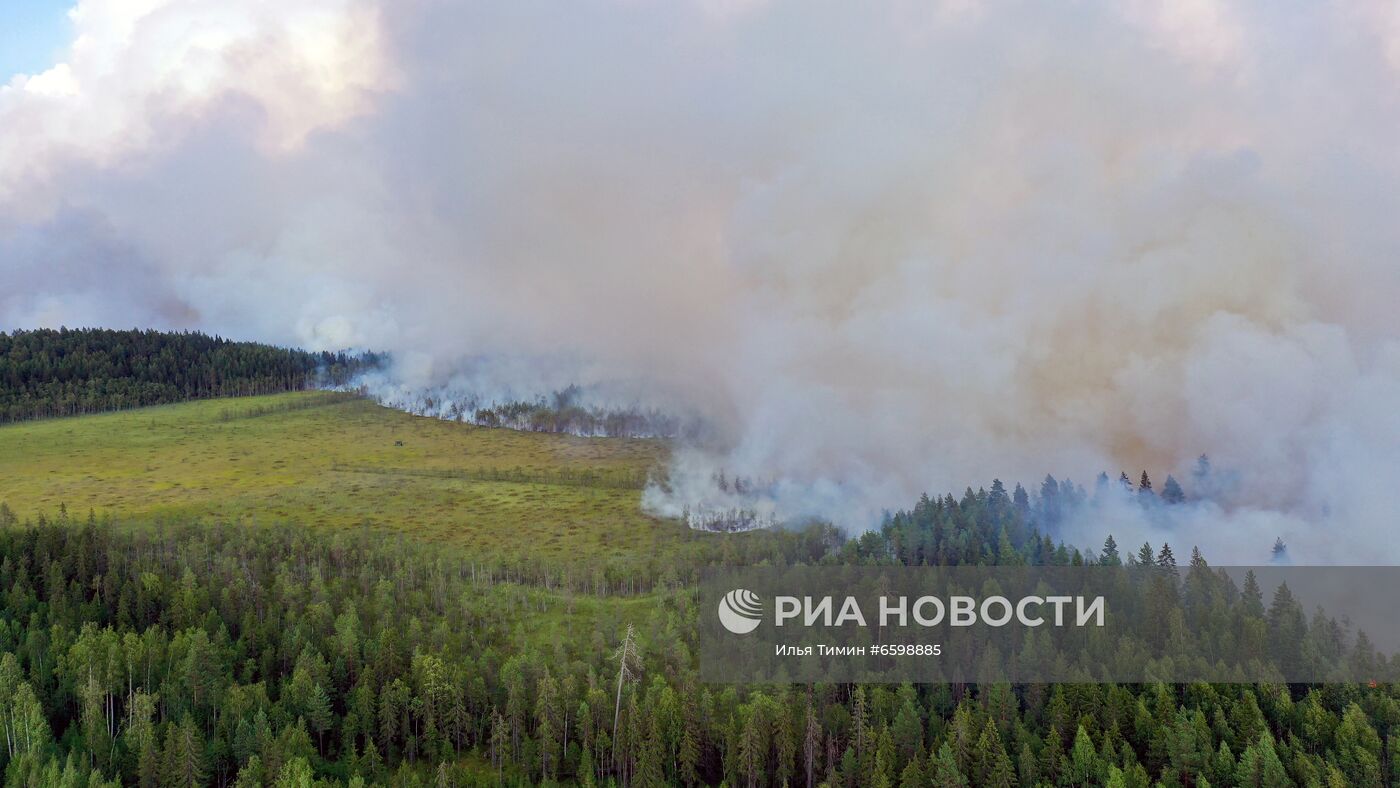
pixel 740 611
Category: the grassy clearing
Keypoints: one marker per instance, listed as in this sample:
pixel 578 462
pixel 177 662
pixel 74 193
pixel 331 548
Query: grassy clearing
pixel 324 461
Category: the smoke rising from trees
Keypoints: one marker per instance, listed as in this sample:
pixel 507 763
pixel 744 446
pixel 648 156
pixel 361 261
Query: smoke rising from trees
pixel 880 248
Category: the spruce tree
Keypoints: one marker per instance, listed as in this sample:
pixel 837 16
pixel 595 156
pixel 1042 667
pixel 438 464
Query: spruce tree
pixel 1027 767
pixel 1146 556
pixel 1172 492
pixel 943 769
pixel 319 715
pixel 1083 760
pixel 1051 508
pixel 912 776
pixel 1252 596
pixel 1109 555
pixel 1201 477
pixel 998 499
pixel 1165 559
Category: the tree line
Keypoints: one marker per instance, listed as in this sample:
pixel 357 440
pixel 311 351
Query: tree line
pixel 67 372
pixel 563 412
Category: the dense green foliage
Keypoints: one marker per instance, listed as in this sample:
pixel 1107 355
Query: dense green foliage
pixel 67 372
pixel 200 654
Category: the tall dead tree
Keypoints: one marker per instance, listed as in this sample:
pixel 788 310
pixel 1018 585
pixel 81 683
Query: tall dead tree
pixel 628 669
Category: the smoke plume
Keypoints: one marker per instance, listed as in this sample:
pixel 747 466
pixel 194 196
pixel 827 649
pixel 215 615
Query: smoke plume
pixel 880 248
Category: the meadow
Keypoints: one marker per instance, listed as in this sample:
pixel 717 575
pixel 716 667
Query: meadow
pixel 328 460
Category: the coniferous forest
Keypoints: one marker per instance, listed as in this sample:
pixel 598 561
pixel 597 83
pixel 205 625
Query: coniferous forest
pixel 191 654
pixel 46 373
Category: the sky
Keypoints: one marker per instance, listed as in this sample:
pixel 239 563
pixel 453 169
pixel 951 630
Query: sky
pixel 33 34
pixel 880 248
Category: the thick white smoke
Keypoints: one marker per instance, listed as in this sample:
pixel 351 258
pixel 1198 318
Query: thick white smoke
pixel 883 248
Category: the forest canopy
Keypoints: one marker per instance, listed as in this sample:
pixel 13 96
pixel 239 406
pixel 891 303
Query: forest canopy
pixel 66 372
pixel 200 654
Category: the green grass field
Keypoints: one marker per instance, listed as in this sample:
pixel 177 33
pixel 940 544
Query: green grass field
pixel 328 461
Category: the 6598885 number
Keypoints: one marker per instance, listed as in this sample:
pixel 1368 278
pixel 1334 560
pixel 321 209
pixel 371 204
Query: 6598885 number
pixel 907 649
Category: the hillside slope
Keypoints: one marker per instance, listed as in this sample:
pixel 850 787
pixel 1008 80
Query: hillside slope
pixel 331 460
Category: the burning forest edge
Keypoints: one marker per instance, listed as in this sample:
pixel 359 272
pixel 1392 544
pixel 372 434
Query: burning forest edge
pixel 733 503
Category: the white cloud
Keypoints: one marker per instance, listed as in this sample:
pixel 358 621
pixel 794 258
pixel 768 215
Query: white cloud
pixel 138 74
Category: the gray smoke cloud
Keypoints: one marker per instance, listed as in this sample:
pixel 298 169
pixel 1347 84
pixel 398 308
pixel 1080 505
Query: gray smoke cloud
pixel 882 248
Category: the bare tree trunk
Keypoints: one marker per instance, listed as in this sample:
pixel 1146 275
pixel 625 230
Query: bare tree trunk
pixel 626 656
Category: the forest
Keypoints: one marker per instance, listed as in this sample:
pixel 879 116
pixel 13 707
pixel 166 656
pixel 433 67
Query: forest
pixel 189 653
pixel 67 372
